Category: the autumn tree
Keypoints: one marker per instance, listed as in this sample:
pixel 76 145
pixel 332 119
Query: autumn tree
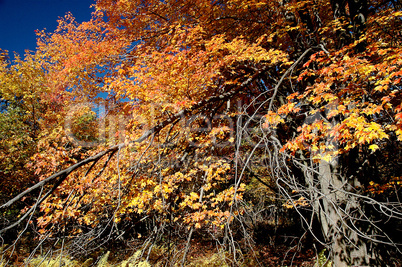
pixel 203 97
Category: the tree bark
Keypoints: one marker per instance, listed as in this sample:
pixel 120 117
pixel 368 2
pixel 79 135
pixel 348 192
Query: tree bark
pixel 335 215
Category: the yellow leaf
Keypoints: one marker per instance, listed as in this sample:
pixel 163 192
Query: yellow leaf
pixel 373 147
pixel 327 157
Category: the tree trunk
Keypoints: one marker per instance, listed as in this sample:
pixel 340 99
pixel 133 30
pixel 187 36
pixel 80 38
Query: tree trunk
pixel 336 217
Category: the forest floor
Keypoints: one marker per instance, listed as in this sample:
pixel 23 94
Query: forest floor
pixel 200 254
pixel 281 248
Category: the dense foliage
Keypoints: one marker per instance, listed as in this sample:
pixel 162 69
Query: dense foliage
pixel 165 120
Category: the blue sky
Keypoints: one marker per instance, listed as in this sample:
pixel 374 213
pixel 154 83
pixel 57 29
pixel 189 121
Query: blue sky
pixel 20 18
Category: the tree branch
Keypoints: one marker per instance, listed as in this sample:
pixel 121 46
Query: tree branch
pixel 64 173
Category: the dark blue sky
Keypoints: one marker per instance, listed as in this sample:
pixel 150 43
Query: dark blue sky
pixel 20 18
